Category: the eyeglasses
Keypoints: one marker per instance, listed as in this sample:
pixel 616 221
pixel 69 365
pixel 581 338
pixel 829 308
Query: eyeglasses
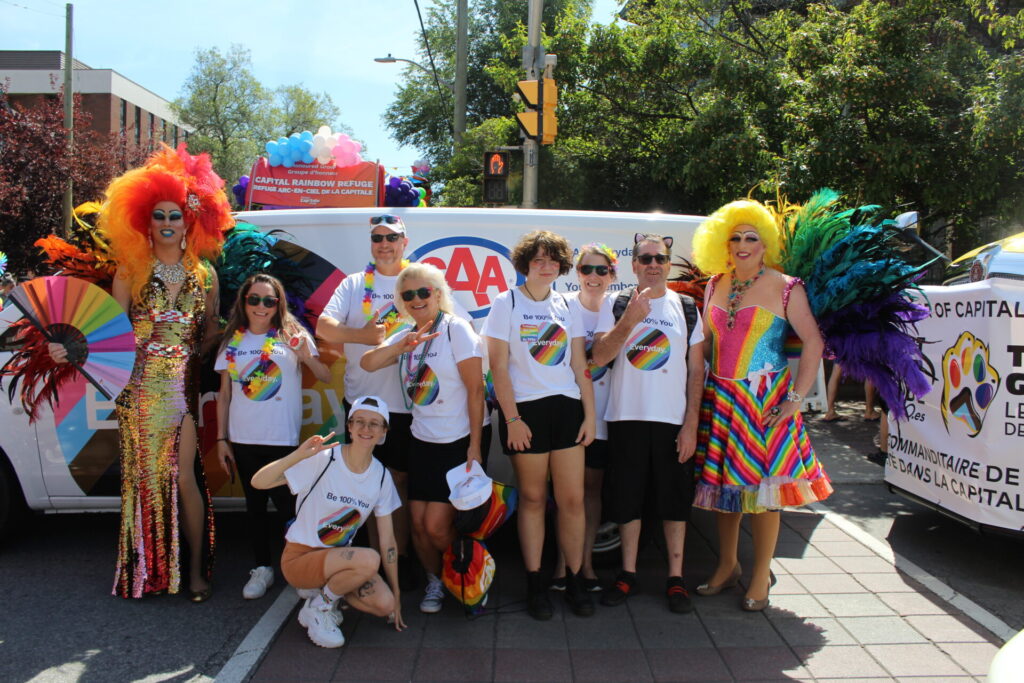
pixel 159 215
pixel 386 218
pixel 372 425
pixel 600 270
pixel 645 259
pixel 267 301
pixel 422 292
pixel 390 237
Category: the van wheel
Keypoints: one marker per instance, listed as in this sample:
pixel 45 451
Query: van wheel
pixel 12 502
pixel 607 539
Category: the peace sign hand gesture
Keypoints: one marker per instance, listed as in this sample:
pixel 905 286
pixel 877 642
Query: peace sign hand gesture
pixel 414 338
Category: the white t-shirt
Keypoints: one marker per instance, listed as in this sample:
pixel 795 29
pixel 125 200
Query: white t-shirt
pixel 346 306
pixel 599 374
pixel 435 388
pixel 267 410
pixel 649 375
pixel 340 502
pixel 539 335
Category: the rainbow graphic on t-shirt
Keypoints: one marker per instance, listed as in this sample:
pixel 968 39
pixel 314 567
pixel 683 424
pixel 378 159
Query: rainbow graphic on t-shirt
pixel 648 349
pixel 549 346
pixel 338 528
pixel 393 323
pixel 596 371
pixel 424 387
pixel 260 386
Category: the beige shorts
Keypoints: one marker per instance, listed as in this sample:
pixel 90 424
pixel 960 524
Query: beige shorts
pixel 303 566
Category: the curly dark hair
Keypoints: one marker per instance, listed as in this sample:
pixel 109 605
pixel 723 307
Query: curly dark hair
pixel 532 243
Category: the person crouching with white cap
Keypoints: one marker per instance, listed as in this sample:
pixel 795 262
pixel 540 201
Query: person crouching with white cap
pixel 337 487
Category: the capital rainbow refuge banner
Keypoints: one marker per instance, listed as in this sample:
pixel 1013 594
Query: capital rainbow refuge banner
pixel 963 446
pixel 319 186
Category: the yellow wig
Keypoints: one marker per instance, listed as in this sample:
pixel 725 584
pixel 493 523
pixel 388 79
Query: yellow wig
pixel 711 242
pixel 168 175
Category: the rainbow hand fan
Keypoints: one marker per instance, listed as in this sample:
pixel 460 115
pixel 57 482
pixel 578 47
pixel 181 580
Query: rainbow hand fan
pixel 90 324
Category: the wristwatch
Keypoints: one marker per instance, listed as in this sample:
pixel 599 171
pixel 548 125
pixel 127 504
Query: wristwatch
pixel 794 397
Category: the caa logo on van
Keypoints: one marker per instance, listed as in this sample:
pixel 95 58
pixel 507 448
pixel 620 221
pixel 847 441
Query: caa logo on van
pixel 476 269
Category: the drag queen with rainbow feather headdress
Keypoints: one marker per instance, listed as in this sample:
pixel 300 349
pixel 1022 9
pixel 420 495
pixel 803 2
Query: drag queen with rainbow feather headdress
pixel 165 222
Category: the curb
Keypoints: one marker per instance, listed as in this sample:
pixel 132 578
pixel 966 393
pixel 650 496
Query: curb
pixel 250 651
pixel 944 591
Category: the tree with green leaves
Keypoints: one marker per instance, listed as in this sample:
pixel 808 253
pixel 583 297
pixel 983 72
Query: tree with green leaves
pixel 233 114
pixel 692 103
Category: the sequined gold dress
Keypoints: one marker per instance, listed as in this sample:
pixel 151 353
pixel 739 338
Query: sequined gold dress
pixel 163 392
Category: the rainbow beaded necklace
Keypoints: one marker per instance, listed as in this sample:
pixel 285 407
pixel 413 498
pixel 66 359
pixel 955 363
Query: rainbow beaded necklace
pixel 265 351
pixel 371 268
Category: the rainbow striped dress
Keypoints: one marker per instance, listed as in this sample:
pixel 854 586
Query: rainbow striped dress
pixel 741 466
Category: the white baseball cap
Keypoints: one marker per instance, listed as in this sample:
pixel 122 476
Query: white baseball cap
pixel 375 404
pixel 390 221
pixel 468 489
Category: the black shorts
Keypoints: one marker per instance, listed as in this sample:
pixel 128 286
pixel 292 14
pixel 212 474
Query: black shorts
pixel 597 454
pixel 394 452
pixel 554 423
pixel 429 464
pixel 643 458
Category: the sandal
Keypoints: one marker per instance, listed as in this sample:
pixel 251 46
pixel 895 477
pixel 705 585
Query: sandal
pixel 837 418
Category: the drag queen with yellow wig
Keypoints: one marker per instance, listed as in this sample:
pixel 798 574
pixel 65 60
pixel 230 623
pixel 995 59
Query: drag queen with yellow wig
pixel 165 221
pixel 753 454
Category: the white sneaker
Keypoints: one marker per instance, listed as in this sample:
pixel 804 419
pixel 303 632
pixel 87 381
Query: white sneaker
pixel 260 579
pixel 336 607
pixel 433 597
pixel 315 615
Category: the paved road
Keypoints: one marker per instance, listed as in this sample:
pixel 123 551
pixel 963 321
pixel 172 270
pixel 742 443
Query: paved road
pixel 60 623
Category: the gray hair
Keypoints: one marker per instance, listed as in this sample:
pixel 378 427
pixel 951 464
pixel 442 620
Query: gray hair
pixel 433 276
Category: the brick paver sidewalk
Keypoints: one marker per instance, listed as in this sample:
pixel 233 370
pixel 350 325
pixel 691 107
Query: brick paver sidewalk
pixel 839 612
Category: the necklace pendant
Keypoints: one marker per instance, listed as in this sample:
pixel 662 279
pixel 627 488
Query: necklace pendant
pixel 172 275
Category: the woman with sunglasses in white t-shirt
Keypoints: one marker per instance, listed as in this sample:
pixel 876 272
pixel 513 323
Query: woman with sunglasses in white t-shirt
pixel 259 406
pixel 440 367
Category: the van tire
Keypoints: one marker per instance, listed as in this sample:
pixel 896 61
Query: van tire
pixel 12 500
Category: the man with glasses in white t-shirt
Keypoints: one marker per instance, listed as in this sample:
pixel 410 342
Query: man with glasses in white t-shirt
pixel 652 413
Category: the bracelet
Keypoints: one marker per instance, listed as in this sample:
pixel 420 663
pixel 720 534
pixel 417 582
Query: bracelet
pixel 794 397
pixel 517 418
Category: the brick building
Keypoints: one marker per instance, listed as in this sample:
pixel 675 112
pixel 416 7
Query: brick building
pixel 117 104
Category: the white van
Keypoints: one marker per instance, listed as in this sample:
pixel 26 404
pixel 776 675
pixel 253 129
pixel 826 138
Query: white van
pixel 68 460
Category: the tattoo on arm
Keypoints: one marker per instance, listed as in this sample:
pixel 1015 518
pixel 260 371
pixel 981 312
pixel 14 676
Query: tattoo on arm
pixel 365 590
pixel 349 554
pixel 390 556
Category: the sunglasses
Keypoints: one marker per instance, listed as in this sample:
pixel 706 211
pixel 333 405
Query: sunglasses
pixel 267 301
pixel 422 292
pixel 645 259
pixel 600 270
pixel 159 215
pixel 390 237
pixel 386 218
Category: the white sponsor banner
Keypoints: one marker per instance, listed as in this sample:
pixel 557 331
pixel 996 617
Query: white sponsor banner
pixel 963 446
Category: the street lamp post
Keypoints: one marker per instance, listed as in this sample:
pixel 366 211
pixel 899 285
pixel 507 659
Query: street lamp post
pixel 437 82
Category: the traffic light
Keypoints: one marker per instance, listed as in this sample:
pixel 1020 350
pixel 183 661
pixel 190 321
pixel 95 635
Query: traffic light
pixel 539 120
pixel 496 177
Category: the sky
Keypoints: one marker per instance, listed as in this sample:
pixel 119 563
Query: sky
pixel 327 46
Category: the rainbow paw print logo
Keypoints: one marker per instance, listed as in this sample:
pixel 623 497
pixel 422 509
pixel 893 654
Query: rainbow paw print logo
pixel 969 383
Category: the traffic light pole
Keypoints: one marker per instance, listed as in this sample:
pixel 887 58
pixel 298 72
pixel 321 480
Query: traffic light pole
pixel 534 66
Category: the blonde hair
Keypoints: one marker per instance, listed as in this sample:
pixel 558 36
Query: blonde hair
pixel 433 277
pixel 711 242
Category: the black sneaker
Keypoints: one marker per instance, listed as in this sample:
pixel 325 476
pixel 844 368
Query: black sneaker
pixel 678 598
pixel 537 604
pixel 625 584
pixel 578 599
pixel 557 583
pixel 591 585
